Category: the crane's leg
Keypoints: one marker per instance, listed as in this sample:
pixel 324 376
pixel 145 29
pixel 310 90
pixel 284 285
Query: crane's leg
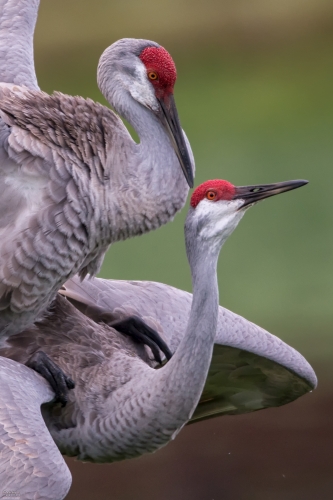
pixel 133 326
pixel 60 383
pixel 141 332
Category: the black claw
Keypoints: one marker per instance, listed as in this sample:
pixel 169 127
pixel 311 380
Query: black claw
pixel 141 332
pixel 132 326
pixel 60 383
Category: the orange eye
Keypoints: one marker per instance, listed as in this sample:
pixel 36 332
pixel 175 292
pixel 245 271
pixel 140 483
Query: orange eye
pixel 152 75
pixel 211 195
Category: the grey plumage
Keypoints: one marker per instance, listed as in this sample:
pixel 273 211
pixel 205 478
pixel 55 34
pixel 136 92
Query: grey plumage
pixel 250 368
pixel 119 395
pixel 72 179
pixel 122 406
pixel 17 26
pixel 75 182
pixel 31 466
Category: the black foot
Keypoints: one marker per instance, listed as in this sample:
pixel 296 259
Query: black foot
pixel 141 332
pixel 60 383
pixel 132 326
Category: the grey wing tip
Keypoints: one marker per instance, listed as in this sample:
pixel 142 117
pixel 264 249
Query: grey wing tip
pixel 251 369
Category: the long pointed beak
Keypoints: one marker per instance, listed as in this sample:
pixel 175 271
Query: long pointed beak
pixel 252 194
pixel 170 120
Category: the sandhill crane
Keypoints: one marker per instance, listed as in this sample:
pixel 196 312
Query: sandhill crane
pixel 122 406
pixel 72 180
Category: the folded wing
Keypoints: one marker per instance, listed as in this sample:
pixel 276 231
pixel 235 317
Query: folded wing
pixel 53 147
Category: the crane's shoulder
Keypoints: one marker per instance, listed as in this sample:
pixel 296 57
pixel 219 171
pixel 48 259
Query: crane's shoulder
pixel 68 123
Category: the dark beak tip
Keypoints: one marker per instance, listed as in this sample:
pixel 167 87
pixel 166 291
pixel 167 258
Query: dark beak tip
pixel 253 194
pixel 170 120
pixel 188 173
pixel 300 183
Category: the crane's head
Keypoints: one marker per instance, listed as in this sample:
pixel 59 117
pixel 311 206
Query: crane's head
pixel 147 72
pixel 217 206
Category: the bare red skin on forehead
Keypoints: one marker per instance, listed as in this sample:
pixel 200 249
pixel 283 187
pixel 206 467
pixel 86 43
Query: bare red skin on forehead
pixel 224 190
pixel 159 60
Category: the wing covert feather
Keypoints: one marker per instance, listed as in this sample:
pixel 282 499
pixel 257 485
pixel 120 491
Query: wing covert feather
pixel 52 173
pixel 31 464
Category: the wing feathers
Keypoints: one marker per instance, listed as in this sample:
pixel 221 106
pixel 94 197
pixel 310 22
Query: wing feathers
pixel 57 144
pixel 73 123
pixel 30 462
pixel 250 369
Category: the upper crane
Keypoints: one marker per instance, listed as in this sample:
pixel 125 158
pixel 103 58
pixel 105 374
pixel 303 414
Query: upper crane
pixel 72 180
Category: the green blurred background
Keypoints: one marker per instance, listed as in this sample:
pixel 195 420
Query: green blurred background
pixel 254 94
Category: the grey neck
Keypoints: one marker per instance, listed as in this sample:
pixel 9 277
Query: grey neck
pixel 148 410
pixel 17 25
pixel 155 150
pixel 193 356
pixel 160 402
pixel 154 186
pixel 189 366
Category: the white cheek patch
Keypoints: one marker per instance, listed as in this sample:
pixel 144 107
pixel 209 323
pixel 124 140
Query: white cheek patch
pixel 141 90
pixel 220 218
